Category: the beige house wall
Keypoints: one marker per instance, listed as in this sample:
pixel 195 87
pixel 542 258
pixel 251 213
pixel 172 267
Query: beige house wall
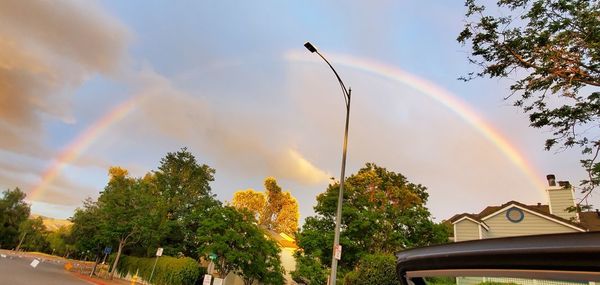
pixel 466 230
pixel 531 224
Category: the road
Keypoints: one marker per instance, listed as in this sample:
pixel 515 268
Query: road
pixel 16 270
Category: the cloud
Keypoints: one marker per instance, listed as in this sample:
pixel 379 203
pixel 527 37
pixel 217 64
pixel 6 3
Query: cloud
pixel 48 48
pixel 232 139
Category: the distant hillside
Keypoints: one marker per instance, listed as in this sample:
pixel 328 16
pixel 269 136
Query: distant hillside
pixel 52 224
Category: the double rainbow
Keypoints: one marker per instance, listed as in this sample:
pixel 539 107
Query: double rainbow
pixel 452 102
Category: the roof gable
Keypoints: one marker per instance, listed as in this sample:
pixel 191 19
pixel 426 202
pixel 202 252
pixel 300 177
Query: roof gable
pixel 537 212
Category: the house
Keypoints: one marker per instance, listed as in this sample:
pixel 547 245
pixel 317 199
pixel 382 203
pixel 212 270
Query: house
pixel 517 219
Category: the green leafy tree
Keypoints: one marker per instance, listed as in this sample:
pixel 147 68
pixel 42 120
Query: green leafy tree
pixel 264 264
pixel 274 209
pixel 58 240
pixel 239 245
pixel 86 232
pixel 13 211
pixel 374 269
pixel 33 235
pixel 309 270
pixel 382 212
pixel 185 194
pixel 127 211
pixel 550 49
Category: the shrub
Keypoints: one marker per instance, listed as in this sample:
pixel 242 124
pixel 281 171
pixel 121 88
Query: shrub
pixel 169 270
pixel 374 269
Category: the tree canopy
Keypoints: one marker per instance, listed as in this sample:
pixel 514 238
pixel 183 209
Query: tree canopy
pixel 274 209
pixel 238 245
pixel 33 235
pixel 382 213
pixel 127 211
pixel 184 190
pixel 550 49
pixel 13 212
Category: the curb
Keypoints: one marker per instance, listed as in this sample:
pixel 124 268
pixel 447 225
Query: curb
pixel 89 279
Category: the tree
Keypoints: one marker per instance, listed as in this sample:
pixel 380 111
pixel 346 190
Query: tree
pixel 33 235
pixel 185 193
pixel 58 241
pixel 274 209
pixel 86 232
pixel 253 201
pixel 374 269
pixel 309 270
pixel 13 211
pixel 264 264
pixel 382 213
pixel 239 246
pixel 551 48
pixel 127 210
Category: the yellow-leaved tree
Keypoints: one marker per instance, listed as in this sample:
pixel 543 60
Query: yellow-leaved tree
pixel 274 209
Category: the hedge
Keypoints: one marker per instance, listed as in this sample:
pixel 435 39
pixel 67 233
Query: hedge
pixel 169 270
pixel 374 269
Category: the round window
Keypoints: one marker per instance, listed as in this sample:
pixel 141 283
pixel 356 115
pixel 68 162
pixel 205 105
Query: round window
pixel 515 215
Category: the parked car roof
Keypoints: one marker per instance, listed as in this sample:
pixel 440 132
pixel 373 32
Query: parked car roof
pixel 572 252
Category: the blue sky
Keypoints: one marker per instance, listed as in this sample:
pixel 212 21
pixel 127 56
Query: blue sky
pixel 215 78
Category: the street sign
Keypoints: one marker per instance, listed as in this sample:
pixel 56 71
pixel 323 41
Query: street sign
pixel 212 256
pixel 107 250
pixel 207 279
pixel 159 251
pixel 34 263
pixel 338 252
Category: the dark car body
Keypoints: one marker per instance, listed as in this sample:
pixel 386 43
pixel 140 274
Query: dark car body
pixel 564 257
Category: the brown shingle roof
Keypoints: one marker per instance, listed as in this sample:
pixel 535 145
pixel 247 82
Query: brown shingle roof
pixel 591 220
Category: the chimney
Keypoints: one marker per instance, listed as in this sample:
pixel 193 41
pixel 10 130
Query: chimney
pixel 551 180
pixel 560 198
pixel 539 204
pixel 598 213
pixel 564 184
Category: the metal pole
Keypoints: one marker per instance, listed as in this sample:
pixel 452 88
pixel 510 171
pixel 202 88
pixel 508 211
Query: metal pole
pixel 338 217
pixel 152 273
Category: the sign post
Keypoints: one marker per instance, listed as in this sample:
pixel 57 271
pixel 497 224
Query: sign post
pixel 207 279
pixel 159 252
pixel 107 251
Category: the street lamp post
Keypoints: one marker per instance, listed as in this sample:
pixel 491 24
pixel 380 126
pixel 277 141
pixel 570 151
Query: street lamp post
pixel 338 217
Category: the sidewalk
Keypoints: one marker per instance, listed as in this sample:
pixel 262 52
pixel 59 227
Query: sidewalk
pixel 100 281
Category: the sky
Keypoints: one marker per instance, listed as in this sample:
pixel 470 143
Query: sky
pixel 87 85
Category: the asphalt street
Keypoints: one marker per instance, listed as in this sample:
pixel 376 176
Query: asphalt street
pixel 15 270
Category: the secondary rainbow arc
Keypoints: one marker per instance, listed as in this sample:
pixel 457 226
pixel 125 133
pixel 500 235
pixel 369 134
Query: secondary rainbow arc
pixel 444 97
pixel 82 141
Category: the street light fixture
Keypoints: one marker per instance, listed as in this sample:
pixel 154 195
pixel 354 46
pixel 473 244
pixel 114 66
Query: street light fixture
pixel 338 217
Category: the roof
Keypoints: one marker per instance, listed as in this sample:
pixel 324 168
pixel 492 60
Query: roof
pixel 590 220
pixel 543 210
pixel 282 239
pixel 566 252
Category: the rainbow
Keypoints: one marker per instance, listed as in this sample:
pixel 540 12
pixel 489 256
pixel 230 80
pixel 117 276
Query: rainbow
pixel 76 147
pixel 452 102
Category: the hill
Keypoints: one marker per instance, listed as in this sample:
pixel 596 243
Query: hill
pixel 52 224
